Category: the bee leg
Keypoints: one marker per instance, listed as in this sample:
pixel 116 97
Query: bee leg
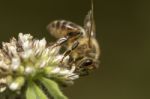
pixel 67 37
pixel 65 54
pixel 60 41
pixel 75 45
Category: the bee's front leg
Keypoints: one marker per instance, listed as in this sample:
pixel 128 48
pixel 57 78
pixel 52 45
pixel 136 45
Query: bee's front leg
pixel 66 53
pixel 60 41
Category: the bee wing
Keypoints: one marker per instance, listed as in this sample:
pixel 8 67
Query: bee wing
pixel 89 23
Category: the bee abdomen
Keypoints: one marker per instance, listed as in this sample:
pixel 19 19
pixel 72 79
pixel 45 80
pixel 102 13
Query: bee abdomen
pixel 60 28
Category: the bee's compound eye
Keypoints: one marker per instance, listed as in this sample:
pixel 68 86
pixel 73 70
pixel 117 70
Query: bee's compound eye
pixel 87 62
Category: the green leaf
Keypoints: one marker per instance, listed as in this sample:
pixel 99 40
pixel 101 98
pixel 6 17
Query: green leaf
pixel 34 92
pixel 39 93
pixel 53 88
pixel 30 93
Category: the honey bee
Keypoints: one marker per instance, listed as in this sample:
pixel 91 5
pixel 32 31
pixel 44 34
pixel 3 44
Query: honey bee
pixel 80 42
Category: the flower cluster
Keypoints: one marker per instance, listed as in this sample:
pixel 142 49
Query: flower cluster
pixel 26 61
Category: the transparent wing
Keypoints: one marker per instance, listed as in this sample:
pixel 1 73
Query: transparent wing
pixel 89 23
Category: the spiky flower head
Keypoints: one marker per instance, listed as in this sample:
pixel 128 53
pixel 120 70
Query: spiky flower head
pixel 26 64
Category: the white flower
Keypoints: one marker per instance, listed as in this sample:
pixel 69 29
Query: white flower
pixel 27 58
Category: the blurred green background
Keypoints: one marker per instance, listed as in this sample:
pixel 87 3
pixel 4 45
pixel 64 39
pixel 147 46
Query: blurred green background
pixel 123 31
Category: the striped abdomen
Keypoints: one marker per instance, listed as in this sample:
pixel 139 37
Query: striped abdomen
pixel 61 28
